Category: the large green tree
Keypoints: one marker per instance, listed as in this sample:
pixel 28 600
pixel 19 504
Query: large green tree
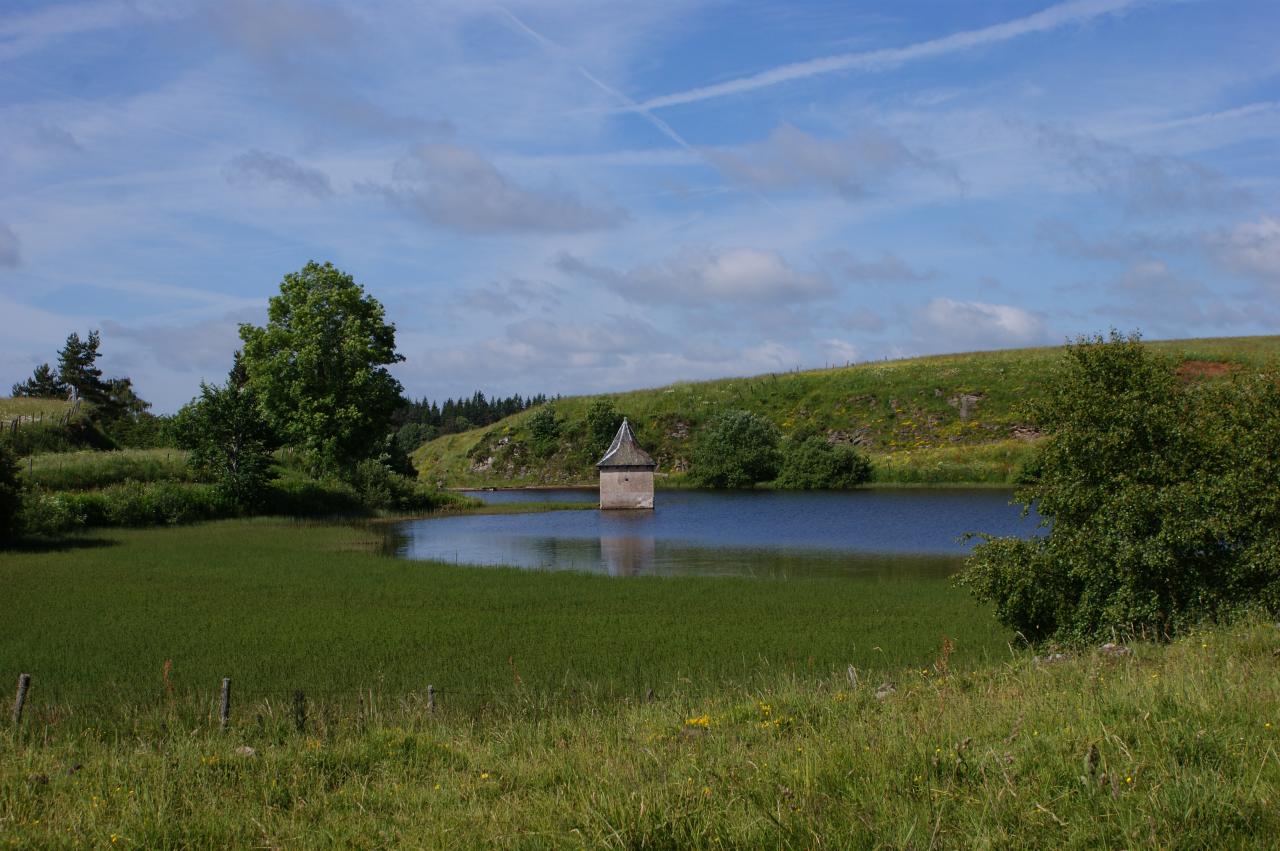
pixel 318 367
pixel 1159 496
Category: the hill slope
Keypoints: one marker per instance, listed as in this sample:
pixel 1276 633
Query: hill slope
pixel 941 419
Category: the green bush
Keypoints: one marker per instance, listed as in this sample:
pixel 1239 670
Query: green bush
pixel 735 449
pixel 603 422
pixel 1161 498
pixel 381 488
pixel 544 430
pixel 133 504
pixel 813 464
pixel 50 515
pixel 10 496
pixel 297 495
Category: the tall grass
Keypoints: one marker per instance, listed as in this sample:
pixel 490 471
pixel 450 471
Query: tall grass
pixel 87 470
pixel 1174 746
pixel 991 463
pixel 281 605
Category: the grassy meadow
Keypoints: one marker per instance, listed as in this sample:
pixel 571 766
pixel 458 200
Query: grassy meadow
pixel 905 414
pixel 282 605
pixel 1172 746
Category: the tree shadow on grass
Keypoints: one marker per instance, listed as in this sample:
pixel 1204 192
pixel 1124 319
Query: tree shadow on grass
pixel 54 545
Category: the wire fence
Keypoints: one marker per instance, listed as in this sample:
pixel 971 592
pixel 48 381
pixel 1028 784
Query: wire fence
pixel 47 704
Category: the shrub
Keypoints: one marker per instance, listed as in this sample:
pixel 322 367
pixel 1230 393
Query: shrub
pixel 812 463
pixel 132 504
pixel 603 421
pixel 50 515
pixel 1161 499
pixel 735 449
pixel 10 496
pixel 544 430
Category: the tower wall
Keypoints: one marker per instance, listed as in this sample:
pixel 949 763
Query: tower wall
pixel 626 487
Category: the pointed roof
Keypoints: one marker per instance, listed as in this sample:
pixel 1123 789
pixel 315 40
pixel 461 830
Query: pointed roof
pixel 624 451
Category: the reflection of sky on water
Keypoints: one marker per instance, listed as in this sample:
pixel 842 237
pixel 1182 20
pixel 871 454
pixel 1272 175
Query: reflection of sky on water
pixel 894 532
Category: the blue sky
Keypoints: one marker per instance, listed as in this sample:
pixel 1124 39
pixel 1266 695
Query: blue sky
pixel 560 196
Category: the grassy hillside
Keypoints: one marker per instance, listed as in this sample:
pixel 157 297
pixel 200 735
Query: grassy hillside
pixel 948 418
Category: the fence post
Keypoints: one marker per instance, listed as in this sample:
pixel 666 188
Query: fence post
pixel 224 706
pixel 300 711
pixel 431 699
pixel 24 683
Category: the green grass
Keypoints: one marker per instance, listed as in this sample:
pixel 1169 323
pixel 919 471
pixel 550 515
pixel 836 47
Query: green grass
pixel 281 605
pixel 88 470
pixel 29 409
pixel 900 412
pixel 1175 746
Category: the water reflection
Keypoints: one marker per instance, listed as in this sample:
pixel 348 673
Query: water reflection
pixel 883 533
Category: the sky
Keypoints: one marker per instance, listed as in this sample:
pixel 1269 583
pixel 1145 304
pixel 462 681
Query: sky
pixel 562 196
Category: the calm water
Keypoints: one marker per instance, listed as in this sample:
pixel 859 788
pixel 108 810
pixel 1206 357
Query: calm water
pixel 893 533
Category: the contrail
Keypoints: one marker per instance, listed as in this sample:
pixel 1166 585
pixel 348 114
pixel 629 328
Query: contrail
pixel 1052 18
pixel 628 104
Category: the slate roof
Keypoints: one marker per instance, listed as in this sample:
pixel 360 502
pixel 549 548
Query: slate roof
pixel 624 451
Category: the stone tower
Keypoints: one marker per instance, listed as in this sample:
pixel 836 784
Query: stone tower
pixel 626 473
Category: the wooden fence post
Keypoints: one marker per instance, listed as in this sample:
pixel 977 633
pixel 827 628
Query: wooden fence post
pixel 24 683
pixel 300 711
pixel 431 699
pixel 224 706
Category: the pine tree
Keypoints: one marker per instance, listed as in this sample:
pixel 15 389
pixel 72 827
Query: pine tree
pixel 44 383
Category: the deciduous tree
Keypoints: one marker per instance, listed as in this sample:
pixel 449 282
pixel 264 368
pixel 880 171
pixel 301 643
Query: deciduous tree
pixel 318 367
pixel 1160 499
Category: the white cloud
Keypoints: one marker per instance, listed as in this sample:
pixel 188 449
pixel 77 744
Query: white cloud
pixel 708 276
pixel 1251 249
pixel 945 324
pixel 457 188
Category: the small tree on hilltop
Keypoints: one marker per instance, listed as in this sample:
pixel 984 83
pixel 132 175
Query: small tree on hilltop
pixel 318 367
pixel 78 367
pixel 44 383
pixel 735 449
pixel 1160 497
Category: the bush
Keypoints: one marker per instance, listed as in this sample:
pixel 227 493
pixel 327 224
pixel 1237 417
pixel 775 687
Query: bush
pixel 1161 499
pixel 128 504
pixel 50 515
pixel 603 422
pixel 10 496
pixel 297 495
pixel 735 449
pixel 544 430
pixel 812 464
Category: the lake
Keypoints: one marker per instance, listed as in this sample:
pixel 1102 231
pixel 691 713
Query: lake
pixel 893 533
